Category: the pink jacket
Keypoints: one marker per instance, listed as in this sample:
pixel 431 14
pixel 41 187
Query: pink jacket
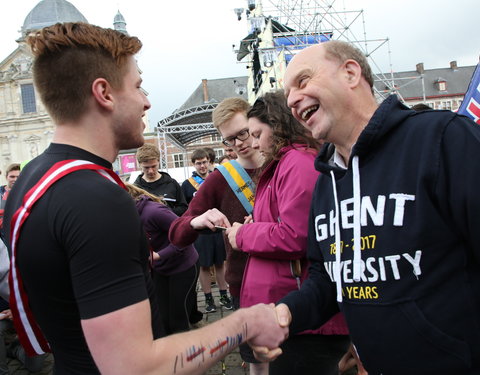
pixel 278 234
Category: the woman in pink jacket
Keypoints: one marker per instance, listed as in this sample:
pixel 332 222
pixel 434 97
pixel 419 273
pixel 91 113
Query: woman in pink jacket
pixel 276 240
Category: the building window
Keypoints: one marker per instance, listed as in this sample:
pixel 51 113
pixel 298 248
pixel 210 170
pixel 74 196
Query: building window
pixel 178 161
pixel 447 105
pixel 28 98
pixel 199 141
pixel 216 138
pixel 218 152
pixel 442 85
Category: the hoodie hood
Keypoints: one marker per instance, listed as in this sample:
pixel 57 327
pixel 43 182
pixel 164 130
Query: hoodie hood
pixel 195 174
pixel 416 308
pixel 164 180
pixel 386 117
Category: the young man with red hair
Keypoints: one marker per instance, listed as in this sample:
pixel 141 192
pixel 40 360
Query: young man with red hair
pixel 80 278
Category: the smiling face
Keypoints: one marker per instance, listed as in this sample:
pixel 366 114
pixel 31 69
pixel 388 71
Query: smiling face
pixel 315 91
pixel 131 104
pixel 262 136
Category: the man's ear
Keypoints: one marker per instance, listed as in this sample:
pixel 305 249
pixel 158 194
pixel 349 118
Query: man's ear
pixel 353 72
pixel 102 93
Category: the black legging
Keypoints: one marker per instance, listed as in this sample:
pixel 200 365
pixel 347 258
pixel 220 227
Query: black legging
pixel 175 300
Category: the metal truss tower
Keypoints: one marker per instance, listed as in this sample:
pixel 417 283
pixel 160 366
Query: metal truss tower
pixel 278 29
pixel 179 130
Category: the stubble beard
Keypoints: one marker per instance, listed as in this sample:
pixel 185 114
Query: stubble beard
pixel 126 141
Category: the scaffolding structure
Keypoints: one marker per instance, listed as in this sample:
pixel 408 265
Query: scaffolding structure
pixel 177 130
pixel 277 30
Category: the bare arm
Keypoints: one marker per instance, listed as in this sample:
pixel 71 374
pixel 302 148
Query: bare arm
pixel 122 342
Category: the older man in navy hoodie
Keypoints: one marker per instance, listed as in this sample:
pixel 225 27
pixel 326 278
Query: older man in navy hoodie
pixel 393 236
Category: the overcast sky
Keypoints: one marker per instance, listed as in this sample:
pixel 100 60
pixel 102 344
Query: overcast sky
pixel 187 40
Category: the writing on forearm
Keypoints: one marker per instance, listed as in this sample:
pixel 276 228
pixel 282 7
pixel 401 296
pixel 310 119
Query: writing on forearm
pixel 216 349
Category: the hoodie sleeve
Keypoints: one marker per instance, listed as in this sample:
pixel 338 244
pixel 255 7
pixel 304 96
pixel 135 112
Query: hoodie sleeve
pixel 181 203
pixel 285 237
pixel 459 179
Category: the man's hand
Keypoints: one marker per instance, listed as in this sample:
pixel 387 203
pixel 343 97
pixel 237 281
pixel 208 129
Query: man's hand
pixel 283 315
pixel 6 314
pixel 264 326
pixel 155 256
pixel 263 349
pixel 232 234
pixel 209 219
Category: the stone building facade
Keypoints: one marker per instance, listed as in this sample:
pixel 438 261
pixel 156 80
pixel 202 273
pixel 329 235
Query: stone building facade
pixel 26 129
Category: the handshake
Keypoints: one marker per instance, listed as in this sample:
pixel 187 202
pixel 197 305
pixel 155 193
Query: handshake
pixel 273 330
pixel 269 328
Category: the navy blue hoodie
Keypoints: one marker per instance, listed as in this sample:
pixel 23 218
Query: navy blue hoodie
pixel 410 199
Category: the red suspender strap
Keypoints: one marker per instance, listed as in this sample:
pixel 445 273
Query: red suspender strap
pixel 28 331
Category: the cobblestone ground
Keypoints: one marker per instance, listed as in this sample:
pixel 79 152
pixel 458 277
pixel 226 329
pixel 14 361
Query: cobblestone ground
pixel 231 365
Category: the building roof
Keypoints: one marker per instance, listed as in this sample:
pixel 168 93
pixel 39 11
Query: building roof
pixel 190 121
pixel 217 90
pixel 118 17
pixel 410 86
pixel 196 112
pixel 119 23
pixel 50 12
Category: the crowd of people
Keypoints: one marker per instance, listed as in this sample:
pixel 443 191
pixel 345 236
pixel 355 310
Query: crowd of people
pixel 339 230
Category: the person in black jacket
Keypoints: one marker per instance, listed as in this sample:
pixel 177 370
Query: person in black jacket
pixel 393 231
pixel 156 182
pixel 210 247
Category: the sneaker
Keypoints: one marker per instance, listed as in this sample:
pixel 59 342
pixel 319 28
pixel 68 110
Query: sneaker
pixel 210 308
pixel 226 302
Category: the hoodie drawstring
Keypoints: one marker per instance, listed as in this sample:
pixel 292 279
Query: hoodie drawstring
pixel 357 255
pixel 357 250
pixel 338 250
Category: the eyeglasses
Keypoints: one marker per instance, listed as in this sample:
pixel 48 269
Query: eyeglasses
pixel 241 136
pixel 200 163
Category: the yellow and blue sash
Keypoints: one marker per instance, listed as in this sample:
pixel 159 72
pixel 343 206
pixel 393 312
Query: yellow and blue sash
pixel 240 183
